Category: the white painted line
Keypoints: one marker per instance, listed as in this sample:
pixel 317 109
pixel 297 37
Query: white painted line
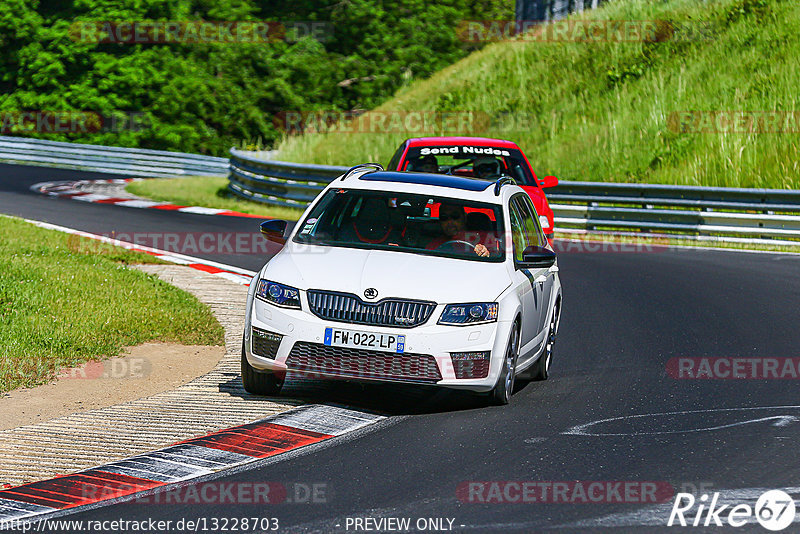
pixel 11 509
pixel 63 192
pixel 139 203
pixel 177 463
pixel 325 419
pixel 201 456
pixel 131 246
pixel 133 470
pixel 586 429
pixel 41 185
pixel 71 187
pixel 167 467
pixel 238 278
pixel 201 210
pixel 91 197
pixel 174 259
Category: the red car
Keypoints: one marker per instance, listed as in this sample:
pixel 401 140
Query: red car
pixel 477 157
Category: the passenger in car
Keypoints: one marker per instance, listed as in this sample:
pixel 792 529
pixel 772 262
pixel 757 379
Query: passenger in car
pixel 373 224
pixel 429 164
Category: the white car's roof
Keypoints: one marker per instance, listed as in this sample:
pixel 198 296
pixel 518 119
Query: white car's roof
pixel 440 185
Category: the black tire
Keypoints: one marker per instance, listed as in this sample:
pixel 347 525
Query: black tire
pixel 259 383
pixel 540 370
pixel 501 393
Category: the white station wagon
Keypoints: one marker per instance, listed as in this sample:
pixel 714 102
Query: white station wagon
pixel 406 277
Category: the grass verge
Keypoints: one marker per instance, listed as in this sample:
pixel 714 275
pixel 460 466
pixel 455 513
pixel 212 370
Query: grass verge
pixel 65 300
pixel 208 192
pixel 601 110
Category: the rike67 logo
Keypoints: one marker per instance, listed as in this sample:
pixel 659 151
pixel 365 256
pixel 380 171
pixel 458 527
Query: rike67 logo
pixel 774 510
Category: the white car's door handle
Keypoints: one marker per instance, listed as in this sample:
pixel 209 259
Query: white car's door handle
pixel 554 269
pixel 541 280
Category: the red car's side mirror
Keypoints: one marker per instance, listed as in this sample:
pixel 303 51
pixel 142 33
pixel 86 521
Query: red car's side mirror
pixel 548 181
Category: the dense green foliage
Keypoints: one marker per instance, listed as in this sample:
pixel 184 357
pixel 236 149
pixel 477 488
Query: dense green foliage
pixel 66 300
pixel 207 97
pixel 606 111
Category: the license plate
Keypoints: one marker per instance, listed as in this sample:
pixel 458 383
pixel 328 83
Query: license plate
pixel 365 340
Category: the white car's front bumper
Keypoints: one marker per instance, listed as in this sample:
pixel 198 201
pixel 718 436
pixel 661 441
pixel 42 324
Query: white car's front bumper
pixel 437 341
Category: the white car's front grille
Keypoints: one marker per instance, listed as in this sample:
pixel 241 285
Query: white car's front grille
pixel 315 358
pixel 349 308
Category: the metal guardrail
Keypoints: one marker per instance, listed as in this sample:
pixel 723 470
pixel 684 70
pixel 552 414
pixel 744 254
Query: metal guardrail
pixel 113 160
pixel 702 211
pixel 705 211
pixel 278 183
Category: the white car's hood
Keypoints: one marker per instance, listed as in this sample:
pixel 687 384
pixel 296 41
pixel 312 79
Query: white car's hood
pixel 393 274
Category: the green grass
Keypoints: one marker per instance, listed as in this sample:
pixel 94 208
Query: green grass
pixel 600 111
pixel 206 191
pixel 66 300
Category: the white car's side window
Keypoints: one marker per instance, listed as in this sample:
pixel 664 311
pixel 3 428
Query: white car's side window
pixel 517 234
pixel 531 226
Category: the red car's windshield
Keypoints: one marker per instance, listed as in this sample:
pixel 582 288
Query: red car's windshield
pixel 473 161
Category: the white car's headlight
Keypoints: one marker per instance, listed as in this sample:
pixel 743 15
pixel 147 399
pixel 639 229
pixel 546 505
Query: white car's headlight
pixel 471 313
pixel 278 294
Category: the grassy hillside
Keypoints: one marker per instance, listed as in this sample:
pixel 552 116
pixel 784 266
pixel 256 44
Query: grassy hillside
pixel 606 111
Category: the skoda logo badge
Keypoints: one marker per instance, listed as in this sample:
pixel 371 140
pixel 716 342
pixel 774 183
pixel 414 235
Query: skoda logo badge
pixel 370 292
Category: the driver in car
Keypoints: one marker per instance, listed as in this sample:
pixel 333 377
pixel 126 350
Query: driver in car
pixel 486 167
pixel 453 223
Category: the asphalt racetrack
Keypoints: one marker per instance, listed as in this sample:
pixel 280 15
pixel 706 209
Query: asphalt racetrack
pixel 618 407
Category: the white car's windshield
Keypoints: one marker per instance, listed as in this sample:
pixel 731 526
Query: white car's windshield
pixel 405 222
